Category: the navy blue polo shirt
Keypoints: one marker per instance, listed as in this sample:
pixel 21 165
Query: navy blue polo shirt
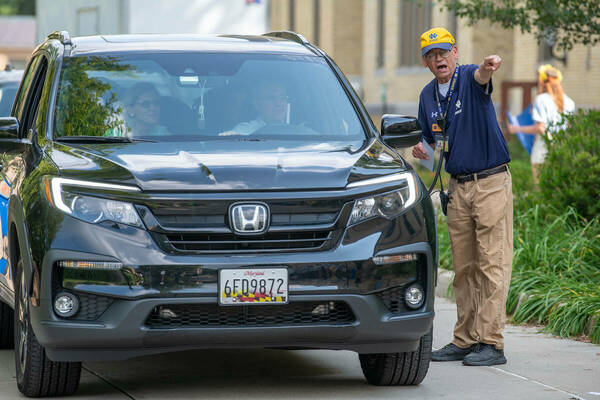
pixel 475 141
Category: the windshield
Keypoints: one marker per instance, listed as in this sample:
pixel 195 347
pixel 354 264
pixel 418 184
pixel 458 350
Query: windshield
pixel 204 96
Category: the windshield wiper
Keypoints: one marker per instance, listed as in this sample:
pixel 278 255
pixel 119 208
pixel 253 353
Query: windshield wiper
pixel 101 139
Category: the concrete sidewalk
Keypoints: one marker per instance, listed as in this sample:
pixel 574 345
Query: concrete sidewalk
pixel 539 367
pixel 556 368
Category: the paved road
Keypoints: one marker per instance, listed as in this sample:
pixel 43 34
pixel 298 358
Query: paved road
pixel 539 367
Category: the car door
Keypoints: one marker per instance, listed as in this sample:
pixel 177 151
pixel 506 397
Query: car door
pixel 12 150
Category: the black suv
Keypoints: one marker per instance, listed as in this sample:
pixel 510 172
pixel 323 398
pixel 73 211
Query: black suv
pixel 182 192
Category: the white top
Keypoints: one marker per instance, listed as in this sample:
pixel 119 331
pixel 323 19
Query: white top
pixel 545 111
pixel 245 128
pixel 443 88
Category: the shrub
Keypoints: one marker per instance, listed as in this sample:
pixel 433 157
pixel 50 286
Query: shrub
pixel 556 279
pixel 444 248
pixel 570 175
pixel 524 194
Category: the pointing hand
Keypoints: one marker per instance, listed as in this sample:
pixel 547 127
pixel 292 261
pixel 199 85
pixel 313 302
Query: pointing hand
pixel 492 63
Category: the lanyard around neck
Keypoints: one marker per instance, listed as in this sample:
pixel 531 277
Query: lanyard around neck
pixel 448 95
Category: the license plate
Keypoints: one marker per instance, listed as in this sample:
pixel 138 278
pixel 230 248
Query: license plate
pixel 253 286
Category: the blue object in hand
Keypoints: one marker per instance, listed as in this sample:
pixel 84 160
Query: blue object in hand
pixel 523 119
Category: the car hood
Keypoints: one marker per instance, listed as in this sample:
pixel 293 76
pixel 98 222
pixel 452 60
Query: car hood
pixel 226 166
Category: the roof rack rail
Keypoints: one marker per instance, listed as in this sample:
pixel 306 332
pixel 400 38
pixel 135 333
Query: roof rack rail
pixel 62 36
pixel 289 35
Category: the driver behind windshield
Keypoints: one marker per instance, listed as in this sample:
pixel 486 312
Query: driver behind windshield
pixel 270 101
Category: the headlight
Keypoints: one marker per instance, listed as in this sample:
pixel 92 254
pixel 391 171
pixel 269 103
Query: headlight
pixel 388 205
pixel 87 208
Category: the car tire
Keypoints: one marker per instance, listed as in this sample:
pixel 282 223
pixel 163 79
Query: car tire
pixel 37 375
pixel 398 369
pixel 7 329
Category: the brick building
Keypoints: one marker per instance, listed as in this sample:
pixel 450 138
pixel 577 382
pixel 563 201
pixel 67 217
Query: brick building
pixel 376 43
pixel 17 40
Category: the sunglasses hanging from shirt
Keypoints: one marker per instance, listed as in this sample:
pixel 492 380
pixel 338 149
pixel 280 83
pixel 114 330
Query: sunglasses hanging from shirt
pixel 442 122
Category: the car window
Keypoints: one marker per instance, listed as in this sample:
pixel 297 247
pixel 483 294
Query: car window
pixel 33 99
pixel 25 88
pixel 8 91
pixel 210 96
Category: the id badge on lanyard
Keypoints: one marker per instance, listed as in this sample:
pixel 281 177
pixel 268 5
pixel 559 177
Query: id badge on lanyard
pixel 442 121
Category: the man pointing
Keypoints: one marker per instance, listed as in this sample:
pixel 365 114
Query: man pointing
pixel 480 209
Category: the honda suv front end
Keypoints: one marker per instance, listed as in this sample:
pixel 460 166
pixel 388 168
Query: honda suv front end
pixel 221 192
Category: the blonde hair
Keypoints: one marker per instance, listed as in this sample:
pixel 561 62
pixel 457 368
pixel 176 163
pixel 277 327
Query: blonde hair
pixel 549 82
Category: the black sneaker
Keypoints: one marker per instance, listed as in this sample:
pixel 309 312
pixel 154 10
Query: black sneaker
pixel 485 355
pixel 451 352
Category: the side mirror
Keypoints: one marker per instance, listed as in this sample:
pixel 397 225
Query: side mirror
pixel 400 130
pixel 9 128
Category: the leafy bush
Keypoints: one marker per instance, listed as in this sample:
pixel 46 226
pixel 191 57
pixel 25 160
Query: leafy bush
pixel 525 195
pixel 556 278
pixel 570 175
pixel 444 249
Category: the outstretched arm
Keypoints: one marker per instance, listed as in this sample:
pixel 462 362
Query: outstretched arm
pixel 538 128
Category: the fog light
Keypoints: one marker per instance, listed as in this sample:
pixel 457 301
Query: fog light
pixel 66 304
pixel 414 296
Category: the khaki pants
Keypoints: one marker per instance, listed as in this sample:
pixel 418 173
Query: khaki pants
pixel 480 223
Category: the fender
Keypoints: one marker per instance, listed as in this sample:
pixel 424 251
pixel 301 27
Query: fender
pixel 18 234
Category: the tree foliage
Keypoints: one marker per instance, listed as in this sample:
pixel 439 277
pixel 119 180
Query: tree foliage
pixel 570 175
pixel 87 105
pixel 561 22
pixel 17 7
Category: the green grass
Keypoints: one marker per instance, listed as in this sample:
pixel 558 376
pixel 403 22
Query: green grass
pixel 556 273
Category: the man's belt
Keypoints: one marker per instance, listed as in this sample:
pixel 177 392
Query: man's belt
pixel 480 175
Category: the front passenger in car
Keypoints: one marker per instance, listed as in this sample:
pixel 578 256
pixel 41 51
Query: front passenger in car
pixel 142 113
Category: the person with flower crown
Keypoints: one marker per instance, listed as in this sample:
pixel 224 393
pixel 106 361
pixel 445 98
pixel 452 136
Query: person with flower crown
pixel 548 109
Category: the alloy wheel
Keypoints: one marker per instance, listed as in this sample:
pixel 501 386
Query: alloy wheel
pixel 22 321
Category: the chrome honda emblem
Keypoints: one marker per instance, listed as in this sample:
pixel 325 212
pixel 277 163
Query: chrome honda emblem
pixel 249 218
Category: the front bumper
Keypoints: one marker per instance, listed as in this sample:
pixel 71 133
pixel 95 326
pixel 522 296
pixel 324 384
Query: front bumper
pixel 122 331
pixel 122 334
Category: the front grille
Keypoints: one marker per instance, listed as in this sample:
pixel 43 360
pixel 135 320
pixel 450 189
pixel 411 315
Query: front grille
pixel 203 226
pixel 393 299
pixel 228 242
pixel 215 316
pixel 190 221
pixel 302 219
pixel 91 307
pixel 219 220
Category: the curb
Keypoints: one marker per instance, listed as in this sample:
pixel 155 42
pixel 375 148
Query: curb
pixel 444 282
